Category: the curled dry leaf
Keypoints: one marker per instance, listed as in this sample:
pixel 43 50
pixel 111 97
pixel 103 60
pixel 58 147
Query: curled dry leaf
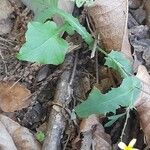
pixel 22 137
pixel 13 96
pixel 110 21
pixel 94 134
pixel 143 102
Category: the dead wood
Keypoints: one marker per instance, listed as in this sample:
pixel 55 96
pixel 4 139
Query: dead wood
pixel 58 116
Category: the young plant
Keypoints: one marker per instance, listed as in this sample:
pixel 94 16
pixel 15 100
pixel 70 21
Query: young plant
pixel 45 45
pixel 125 95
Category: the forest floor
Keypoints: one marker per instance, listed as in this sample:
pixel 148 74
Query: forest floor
pixel 79 71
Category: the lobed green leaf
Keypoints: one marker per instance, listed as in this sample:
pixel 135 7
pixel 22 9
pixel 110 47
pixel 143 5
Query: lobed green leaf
pixel 98 103
pixel 113 119
pixel 43 44
pixel 117 61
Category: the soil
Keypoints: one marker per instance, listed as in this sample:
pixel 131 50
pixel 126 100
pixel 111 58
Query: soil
pixel 42 80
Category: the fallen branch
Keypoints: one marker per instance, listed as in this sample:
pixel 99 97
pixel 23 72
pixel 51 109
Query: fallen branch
pixel 58 116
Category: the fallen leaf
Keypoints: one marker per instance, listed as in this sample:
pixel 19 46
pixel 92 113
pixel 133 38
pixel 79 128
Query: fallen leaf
pixel 110 21
pixel 87 124
pixel 143 102
pixel 6 141
pixel 22 137
pixel 94 134
pixel 101 139
pixel 13 96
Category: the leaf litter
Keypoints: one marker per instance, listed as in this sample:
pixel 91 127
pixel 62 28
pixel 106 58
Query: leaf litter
pixel 84 69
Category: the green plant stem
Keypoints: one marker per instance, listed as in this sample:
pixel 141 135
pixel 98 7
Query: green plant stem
pixel 63 28
pixel 101 50
pixel 125 124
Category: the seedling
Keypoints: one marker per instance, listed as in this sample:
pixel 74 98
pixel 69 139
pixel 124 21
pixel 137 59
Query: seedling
pixel 45 45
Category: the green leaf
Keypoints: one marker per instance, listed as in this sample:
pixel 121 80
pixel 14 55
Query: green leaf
pixel 98 103
pixel 113 119
pixel 43 44
pixel 40 136
pixel 117 61
pixel 38 6
pixel 74 23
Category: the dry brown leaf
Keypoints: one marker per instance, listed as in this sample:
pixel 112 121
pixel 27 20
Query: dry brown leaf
pixel 94 134
pixel 143 102
pixel 102 141
pixel 13 96
pixel 87 124
pixel 6 141
pixel 22 137
pixel 110 19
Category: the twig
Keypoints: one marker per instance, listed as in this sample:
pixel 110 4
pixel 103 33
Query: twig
pixel 6 70
pixel 96 66
pixel 74 69
pixel 64 148
pixel 7 41
pixel 94 48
